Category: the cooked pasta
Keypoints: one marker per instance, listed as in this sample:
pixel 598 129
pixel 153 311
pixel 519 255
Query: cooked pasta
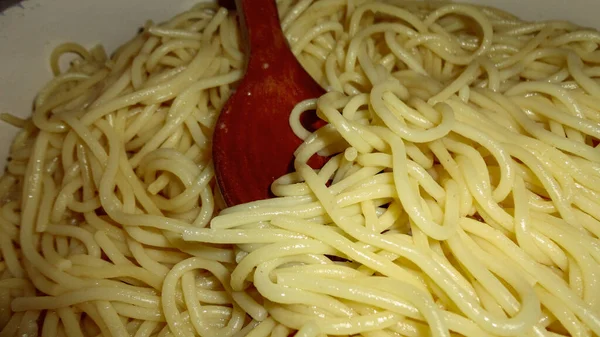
pixel 461 197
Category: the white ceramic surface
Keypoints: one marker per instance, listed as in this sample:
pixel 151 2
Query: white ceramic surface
pixel 30 30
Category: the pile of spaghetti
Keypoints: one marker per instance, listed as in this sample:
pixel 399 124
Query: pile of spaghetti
pixel 462 197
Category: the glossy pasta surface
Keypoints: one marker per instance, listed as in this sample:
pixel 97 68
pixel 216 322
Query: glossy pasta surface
pixel 462 197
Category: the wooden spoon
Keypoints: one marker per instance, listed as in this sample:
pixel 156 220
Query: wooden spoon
pixel 253 143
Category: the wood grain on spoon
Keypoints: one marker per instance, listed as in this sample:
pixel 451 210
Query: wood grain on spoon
pixel 253 143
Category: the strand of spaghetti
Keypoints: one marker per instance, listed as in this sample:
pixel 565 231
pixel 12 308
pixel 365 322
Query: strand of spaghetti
pixel 500 155
pixel 43 106
pixel 408 199
pixel 549 138
pixel 581 255
pixel 82 235
pixel 32 189
pixel 50 253
pixel 69 321
pixel 136 312
pixel 276 292
pixel 548 110
pixel 501 294
pixel 112 271
pixel 84 295
pixel 168 289
pixel 181 109
pixel 107 185
pixel 525 234
pixel 333 325
pixel 546 278
pixel 160 92
pixel 473 310
pixel 111 319
pixel 235 323
pixel 376 100
pixel 354 290
pixel 358 37
pixel 554 190
pixel 464 80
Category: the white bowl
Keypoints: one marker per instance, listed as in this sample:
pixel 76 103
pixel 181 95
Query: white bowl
pixel 29 31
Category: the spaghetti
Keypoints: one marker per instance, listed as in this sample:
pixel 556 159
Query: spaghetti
pixel 461 197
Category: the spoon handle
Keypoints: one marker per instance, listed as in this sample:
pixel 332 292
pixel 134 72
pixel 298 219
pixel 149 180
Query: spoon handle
pixel 265 42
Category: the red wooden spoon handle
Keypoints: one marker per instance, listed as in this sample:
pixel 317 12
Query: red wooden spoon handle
pixel 263 29
pixel 253 143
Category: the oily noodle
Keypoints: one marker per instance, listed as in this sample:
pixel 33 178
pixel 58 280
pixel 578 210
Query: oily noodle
pixel 462 196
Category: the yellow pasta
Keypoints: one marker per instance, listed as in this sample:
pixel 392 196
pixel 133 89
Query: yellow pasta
pixel 461 197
